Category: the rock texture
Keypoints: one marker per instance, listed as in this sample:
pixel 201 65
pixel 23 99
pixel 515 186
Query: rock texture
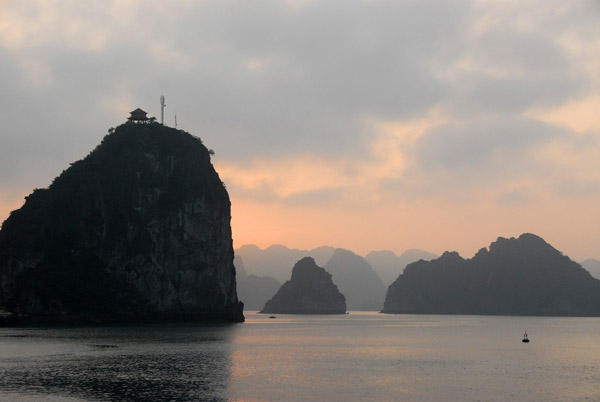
pixel 357 281
pixel 524 276
pixel 309 291
pixel 138 230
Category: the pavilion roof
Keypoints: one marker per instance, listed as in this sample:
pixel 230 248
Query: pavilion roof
pixel 138 114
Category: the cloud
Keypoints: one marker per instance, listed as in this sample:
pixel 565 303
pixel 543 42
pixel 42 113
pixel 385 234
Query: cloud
pixel 580 115
pixel 335 106
pixel 323 68
pixel 482 147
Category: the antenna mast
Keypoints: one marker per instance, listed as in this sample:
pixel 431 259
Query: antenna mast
pixel 175 119
pixel 162 110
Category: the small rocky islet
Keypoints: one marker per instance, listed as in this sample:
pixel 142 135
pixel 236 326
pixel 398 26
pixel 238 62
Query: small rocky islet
pixel 310 290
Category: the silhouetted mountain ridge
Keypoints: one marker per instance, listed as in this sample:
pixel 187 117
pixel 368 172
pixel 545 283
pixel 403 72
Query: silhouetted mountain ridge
pixel 274 260
pixel 253 290
pixel 524 276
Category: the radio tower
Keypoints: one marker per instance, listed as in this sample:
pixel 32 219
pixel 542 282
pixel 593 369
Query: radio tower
pixel 162 110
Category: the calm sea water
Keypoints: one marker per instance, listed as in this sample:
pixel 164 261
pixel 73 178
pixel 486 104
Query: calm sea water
pixel 355 357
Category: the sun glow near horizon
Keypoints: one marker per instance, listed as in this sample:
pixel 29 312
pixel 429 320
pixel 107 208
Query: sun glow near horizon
pixel 356 211
pixel 363 125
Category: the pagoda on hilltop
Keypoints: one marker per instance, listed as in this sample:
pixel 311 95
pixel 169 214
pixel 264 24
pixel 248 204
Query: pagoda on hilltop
pixel 140 116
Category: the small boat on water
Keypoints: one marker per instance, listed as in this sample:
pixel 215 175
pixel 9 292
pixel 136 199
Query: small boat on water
pixel 525 337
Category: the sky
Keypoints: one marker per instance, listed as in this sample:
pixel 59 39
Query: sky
pixel 366 125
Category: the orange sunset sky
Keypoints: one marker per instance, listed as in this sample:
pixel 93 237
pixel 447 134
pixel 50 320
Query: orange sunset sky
pixel 365 125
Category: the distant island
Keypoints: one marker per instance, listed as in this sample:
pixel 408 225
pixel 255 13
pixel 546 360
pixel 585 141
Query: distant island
pixel 275 261
pixel 388 265
pixel 139 230
pixel 310 290
pixel 516 276
pixel 260 272
pixel 356 280
pixel 253 290
pixel 593 266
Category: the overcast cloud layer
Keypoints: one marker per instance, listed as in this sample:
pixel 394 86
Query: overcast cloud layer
pixel 359 124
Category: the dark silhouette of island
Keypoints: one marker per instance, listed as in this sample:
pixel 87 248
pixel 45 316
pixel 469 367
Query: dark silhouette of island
pixel 524 276
pixel 309 291
pixel 139 230
pixel 388 265
pixel 357 281
pixel 253 290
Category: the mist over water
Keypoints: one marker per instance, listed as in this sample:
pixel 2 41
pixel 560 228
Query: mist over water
pixel 355 357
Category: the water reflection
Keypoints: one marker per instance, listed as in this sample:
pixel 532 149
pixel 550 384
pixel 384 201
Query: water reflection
pixel 352 358
pixel 370 356
pixel 148 363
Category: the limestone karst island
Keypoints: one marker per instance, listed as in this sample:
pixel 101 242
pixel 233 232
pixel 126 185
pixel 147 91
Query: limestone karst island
pixel 139 230
pixel 516 276
pixel 310 290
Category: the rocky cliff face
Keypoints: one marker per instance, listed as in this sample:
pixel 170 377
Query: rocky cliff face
pixel 309 291
pixel 139 229
pixel 524 276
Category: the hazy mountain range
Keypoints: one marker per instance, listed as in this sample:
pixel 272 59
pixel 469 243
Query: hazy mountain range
pixel 260 272
pixel 357 280
pixel 277 261
pixel 364 281
pixel 593 267
pixel 252 289
pixel 388 265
